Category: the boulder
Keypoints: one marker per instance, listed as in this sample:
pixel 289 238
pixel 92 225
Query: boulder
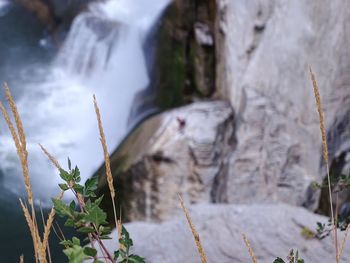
pixel 179 151
pixel 263 54
pixel 272 229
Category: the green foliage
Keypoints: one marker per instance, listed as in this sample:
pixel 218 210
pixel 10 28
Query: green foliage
pixel 293 257
pixel 338 184
pixel 123 254
pixel 87 217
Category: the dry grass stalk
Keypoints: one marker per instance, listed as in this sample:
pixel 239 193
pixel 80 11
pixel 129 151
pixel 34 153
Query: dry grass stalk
pixel 49 223
pixel 51 158
pixel 20 143
pixel 19 152
pixel 325 153
pixel 194 232
pixel 19 139
pixel 119 229
pixel 32 228
pixel 107 163
pixel 18 121
pixel 21 259
pixel 43 222
pixel 250 249
pixel 343 242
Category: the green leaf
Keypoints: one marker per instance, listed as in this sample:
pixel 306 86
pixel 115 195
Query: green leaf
pixel 75 254
pixel 86 230
pixel 126 242
pixel 61 208
pixel 76 174
pixel 98 261
pixel 105 237
pixel 98 200
pixel 90 187
pixel 69 164
pixel 91 183
pixel 89 251
pixel 135 259
pixel 69 222
pixel 105 230
pixel 278 260
pixel 72 206
pixel 66 243
pixel 65 175
pixel 95 215
pixel 116 254
pixel 76 241
pixel 78 188
pixel 64 187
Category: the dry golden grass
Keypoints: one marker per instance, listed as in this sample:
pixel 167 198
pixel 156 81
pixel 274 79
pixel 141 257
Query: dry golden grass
pixel 50 157
pixel 325 155
pixel 49 223
pixel 344 241
pixel 48 226
pixel 194 232
pixel 21 259
pixel 40 243
pixel 250 249
pixel 21 149
pixel 107 165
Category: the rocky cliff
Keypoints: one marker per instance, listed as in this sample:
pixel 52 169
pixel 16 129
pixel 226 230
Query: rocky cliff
pixel 259 141
pixel 262 53
pixel 263 58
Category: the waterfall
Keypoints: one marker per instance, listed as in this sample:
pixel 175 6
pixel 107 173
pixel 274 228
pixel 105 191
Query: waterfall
pixel 4 5
pixel 102 55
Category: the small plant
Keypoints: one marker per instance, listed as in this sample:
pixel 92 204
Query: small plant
pixel 123 254
pixel 86 216
pixel 293 257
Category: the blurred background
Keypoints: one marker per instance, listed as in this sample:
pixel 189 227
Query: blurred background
pixel 209 99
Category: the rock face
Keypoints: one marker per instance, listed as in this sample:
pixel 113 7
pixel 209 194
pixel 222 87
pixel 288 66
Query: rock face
pixel 220 228
pixel 264 49
pixel 268 154
pixel 182 151
pixel 185 64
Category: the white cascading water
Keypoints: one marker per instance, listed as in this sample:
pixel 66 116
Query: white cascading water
pixel 102 55
pixel 3 7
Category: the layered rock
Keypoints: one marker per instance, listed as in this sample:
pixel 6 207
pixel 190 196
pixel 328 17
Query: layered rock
pixel 183 151
pixel 278 229
pixel 265 48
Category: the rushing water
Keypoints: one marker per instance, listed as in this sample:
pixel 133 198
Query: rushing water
pixel 103 54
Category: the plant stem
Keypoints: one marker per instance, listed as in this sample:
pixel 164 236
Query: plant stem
pixel 103 247
pixel 336 230
pixel 332 213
